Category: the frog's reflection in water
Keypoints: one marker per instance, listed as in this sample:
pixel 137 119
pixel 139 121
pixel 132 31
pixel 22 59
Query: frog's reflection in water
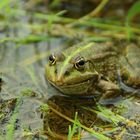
pixel 68 107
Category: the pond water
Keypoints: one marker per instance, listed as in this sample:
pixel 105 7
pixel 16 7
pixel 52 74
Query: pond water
pixel 24 50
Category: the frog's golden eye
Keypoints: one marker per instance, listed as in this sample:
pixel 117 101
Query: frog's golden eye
pixel 80 64
pixel 52 59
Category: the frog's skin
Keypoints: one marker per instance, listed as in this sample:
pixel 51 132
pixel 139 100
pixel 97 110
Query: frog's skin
pixel 91 69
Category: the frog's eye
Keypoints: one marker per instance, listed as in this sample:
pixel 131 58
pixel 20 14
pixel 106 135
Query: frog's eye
pixel 80 64
pixel 52 59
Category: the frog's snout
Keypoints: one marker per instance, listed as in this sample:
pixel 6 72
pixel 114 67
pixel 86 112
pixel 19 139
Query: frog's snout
pixel 59 82
pixel 60 76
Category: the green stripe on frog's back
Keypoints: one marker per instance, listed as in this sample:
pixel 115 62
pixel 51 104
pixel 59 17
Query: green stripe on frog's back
pixel 94 52
pixel 75 51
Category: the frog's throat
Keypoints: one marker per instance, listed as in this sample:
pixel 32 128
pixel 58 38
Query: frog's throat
pixel 80 49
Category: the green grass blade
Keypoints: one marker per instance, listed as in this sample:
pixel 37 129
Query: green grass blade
pixel 133 11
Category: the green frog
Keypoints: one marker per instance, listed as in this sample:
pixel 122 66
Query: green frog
pixel 92 69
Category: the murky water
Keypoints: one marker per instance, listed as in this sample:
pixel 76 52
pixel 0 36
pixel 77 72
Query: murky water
pixel 22 76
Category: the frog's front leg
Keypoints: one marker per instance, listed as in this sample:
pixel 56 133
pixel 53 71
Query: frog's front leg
pixel 108 89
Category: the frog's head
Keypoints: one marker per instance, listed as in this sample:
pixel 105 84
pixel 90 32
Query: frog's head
pixel 72 75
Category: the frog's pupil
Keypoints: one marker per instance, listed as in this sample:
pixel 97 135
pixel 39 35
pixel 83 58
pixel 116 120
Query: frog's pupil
pixel 51 58
pixel 81 62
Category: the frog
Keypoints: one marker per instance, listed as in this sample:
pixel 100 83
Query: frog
pixel 91 69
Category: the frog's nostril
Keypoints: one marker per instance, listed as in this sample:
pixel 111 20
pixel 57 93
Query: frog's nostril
pixel 55 71
pixel 66 73
pixel 59 82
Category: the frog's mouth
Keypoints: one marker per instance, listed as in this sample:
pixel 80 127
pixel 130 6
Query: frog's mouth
pixel 76 88
pixel 71 85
